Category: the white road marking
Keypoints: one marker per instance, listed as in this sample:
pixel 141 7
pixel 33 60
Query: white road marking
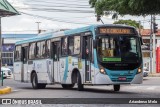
pixel 151 88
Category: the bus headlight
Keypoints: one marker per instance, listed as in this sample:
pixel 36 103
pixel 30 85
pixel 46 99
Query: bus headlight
pixel 139 70
pixel 102 70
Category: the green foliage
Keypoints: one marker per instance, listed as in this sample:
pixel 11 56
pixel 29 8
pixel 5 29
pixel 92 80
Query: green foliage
pixel 127 7
pixel 129 22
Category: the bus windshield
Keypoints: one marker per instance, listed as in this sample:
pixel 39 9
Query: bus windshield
pixel 118 48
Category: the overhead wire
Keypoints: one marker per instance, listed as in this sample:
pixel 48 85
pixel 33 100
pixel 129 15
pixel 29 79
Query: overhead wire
pixel 63 3
pixel 52 5
pixel 19 31
pixel 53 19
pixel 48 6
pixel 56 10
pixel 55 1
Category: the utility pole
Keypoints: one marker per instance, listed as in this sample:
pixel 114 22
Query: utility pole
pixel 155 30
pixel 0 50
pixel 151 47
pixel 39 31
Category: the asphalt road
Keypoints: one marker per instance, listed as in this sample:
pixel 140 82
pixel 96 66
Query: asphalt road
pixel 149 89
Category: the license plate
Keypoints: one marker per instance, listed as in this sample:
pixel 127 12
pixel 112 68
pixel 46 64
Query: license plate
pixel 122 78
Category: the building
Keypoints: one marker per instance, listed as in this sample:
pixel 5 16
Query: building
pixel 145 33
pixel 8 44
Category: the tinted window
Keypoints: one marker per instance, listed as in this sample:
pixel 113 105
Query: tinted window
pixel 71 45
pixel 32 51
pixel 48 48
pixel 64 46
pixel 76 44
pixel 18 53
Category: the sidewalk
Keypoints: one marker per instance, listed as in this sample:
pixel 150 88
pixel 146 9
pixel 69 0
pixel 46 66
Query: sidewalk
pixel 5 90
pixel 154 75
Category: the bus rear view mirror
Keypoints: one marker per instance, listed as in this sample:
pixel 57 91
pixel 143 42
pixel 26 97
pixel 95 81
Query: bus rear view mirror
pixel 94 43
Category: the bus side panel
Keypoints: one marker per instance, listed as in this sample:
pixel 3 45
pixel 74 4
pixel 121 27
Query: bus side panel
pixel 64 70
pixel 138 79
pixel 92 73
pixel 43 69
pixel 68 65
pixel 25 68
pixel 30 69
pixel 101 78
pixel 73 64
pixel 70 68
pixel 83 71
pixel 17 71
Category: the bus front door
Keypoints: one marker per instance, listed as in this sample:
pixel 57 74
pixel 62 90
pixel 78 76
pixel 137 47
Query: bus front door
pixel 56 63
pixel 87 55
pixel 24 71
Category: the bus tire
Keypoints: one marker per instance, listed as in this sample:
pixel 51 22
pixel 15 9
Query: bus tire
pixel 34 81
pixel 67 86
pixel 79 82
pixel 116 87
pixel 42 86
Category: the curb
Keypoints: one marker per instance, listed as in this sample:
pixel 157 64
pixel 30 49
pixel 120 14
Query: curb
pixel 5 90
pixel 153 75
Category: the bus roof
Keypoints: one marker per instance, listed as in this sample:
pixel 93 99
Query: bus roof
pixel 51 34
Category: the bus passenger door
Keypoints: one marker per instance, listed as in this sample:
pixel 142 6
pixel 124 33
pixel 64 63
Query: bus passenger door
pixel 56 63
pixel 24 72
pixel 87 55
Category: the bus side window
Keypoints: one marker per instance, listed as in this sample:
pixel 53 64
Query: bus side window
pixel 18 53
pixel 35 51
pixel 32 51
pixel 64 46
pixel 70 46
pixel 48 48
pixel 76 44
pixel 42 49
pixel 38 51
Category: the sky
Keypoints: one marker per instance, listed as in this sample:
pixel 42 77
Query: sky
pixel 54 15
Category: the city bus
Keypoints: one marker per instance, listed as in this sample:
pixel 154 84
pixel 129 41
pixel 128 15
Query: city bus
pixel 94 55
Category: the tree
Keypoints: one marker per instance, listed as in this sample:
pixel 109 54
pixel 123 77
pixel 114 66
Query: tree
pixel 126 7
pixel 129 22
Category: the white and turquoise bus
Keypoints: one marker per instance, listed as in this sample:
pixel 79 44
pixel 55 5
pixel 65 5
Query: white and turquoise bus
pixel 93 55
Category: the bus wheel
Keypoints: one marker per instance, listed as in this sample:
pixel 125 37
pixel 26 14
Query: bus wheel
pixel 79 82
pixel 67 86
pixel 116 87
pixel 34 81
pixel 42 86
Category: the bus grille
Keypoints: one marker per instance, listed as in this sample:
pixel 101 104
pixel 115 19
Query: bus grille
pixel 113 74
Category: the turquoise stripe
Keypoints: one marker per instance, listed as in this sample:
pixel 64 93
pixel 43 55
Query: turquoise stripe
pixel 38 38
pixel 65 71
pixel 78 30
pixel 95 59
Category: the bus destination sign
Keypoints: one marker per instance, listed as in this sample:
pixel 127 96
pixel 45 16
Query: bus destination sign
pixel 115 31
